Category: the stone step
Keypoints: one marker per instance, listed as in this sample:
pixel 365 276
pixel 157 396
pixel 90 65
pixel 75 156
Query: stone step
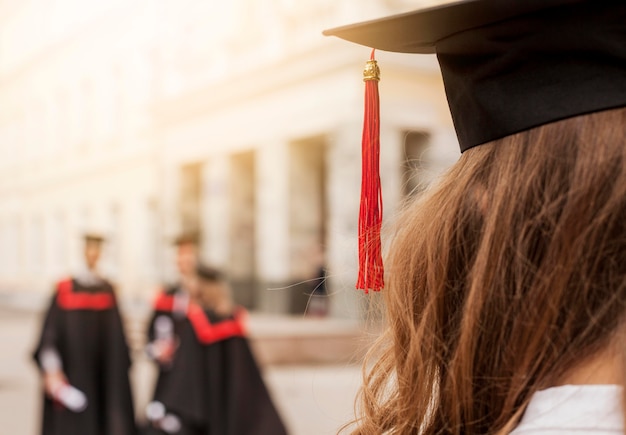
pixel 300 340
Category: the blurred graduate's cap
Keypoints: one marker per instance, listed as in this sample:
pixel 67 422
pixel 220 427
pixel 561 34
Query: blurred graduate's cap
pixel 507 66
pixel 187 238
pixel 209 274
pixel 95 237
pixel 511 65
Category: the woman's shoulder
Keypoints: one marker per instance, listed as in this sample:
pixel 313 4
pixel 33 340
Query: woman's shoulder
pixel 567 409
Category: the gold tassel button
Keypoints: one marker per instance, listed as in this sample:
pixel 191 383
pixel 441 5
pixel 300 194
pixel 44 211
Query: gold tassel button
pixel 371 71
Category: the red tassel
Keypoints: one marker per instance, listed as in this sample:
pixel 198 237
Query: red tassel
pixel 371 212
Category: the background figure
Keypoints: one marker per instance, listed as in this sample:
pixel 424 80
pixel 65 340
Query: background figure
pixel 319 301
pixel 237 401
pixel 83 356
pixel 170 340
pixel 208 380
pixel 214 294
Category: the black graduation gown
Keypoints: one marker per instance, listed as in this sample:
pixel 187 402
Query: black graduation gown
pixel 180 385
pixel 84 326
pixel 239 401
pixel 214 384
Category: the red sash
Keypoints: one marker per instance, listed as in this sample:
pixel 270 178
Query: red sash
pixel 206 332
pixel 164 302
pixel 67 299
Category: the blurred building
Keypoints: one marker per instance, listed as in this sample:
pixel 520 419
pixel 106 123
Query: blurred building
pixel 237 118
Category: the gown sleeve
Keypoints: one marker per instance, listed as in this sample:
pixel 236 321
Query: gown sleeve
pixel 47 353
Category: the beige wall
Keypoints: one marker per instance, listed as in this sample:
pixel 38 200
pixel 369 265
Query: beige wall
pixel 75 87
pixel 102 105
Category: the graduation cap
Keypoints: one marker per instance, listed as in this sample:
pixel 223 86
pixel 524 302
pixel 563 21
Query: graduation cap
pixel 94 237
pixel 511 65
pixel 209 274
pixel 187 238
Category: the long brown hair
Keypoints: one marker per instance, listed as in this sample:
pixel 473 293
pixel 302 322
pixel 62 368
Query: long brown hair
pixel 501 278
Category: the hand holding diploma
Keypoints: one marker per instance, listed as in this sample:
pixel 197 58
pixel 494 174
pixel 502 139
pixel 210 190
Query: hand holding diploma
pixel 62 392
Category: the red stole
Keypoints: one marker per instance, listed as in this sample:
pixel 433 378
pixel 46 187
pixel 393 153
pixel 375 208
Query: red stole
pixel 206 332
pixel 68 299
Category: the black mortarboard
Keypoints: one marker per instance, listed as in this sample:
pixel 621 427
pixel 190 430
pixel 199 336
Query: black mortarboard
pixel 208 273
pixel 511 65
pixel 191 237
pixel 93 237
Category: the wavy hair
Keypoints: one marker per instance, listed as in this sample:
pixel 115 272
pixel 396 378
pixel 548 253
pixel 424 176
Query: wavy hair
pixel 500 279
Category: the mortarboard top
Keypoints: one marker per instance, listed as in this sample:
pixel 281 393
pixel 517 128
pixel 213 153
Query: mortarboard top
pixel 208 273
pixel 187 238
pixel 94 237
pixel 420 30
pixel 511 65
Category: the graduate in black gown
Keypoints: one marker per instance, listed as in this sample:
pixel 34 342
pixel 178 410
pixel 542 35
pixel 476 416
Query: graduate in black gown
pixel 209 382
pixel 83 357
pixel 173 346
pixel 238 399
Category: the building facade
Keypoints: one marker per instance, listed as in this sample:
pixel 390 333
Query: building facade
pixel 237 119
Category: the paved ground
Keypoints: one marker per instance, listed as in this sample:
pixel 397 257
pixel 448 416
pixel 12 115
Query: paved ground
pixel 314 400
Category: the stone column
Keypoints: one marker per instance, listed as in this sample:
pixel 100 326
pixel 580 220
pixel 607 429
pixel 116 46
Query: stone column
pixel 272 227
pixel 391 159
pixel 169 187
pixel 215 211
pixel 344 185
pixel 76 226
pixel 135 269
pixel 142 246
pixel 307 216
pixel 241 238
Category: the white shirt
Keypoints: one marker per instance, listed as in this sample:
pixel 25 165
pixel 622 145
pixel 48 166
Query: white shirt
pixel 574 409
pixel 88 277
